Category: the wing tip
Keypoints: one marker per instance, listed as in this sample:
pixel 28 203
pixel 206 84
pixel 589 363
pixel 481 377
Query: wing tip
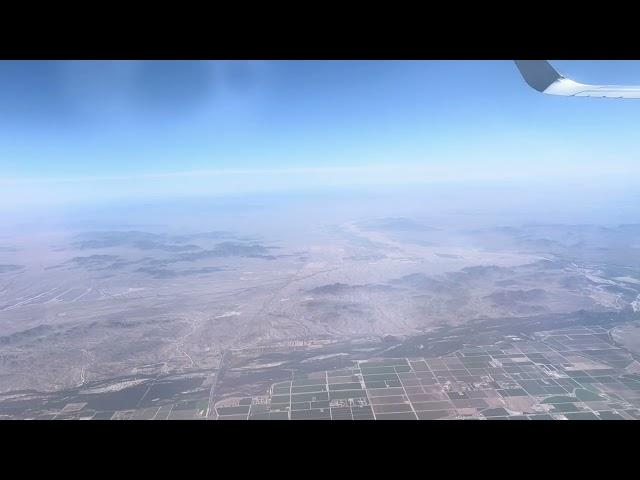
pixel 539 74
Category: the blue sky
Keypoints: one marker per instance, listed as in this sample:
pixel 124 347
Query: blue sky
pixel 98 131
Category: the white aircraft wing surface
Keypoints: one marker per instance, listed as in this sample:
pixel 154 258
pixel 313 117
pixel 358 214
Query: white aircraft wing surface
pixel 541 76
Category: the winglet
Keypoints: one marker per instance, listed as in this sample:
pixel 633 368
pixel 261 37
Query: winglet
pixel 539 74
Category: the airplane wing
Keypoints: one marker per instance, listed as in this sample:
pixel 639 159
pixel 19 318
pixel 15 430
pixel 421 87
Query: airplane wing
pixel 541 76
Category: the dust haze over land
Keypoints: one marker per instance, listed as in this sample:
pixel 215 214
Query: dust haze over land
pixel 101 292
